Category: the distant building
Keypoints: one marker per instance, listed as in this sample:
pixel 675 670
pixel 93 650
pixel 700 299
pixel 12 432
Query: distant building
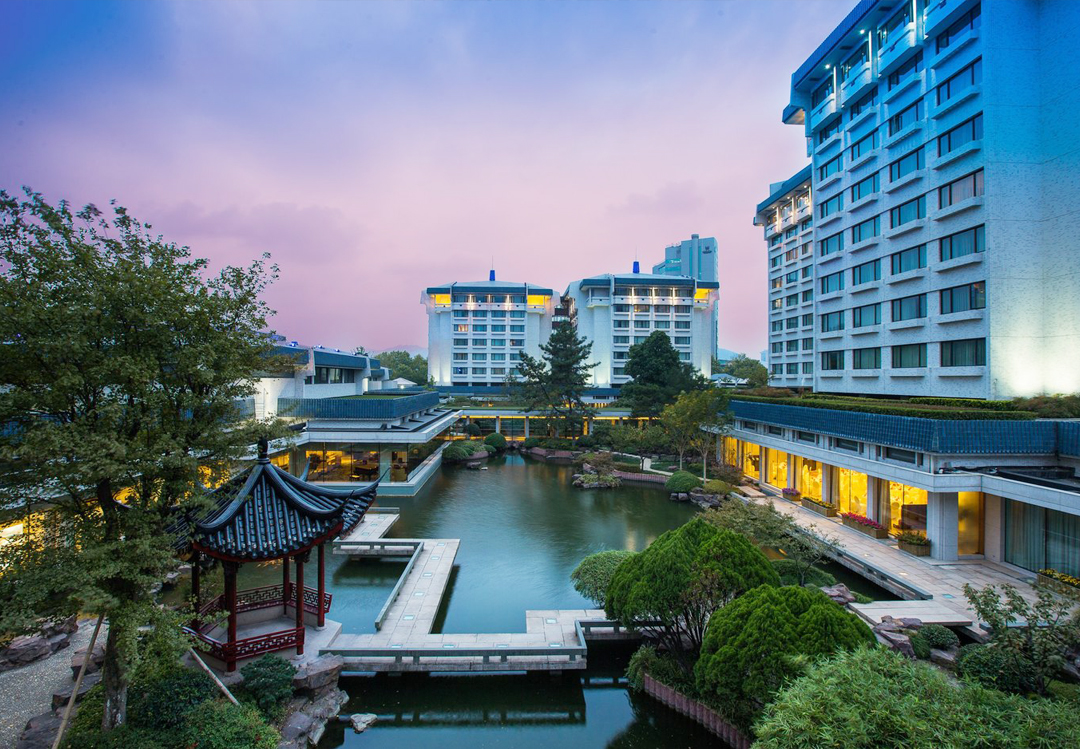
pixel 616 311
pixel 697 258
pixel 477 330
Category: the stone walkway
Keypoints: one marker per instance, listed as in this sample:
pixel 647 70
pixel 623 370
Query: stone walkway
pixel 27 691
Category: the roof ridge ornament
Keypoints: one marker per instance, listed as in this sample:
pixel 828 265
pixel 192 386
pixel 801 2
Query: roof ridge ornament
pixel 264 449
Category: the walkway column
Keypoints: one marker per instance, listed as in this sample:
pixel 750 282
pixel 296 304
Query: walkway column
pixel 942 518
pixel 285 579
pixel 196 597
pixel 791 471
pixel 873 486
pixel 526 420
pixel 826 483
pixel 230 604
pixel 386 462
pixel 321 618
pixel 300 600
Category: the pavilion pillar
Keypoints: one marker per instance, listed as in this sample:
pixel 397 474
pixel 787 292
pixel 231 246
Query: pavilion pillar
pixel 285 585
pixel 230 602
pixel 196 598
pixel 321 616
pixel 300 601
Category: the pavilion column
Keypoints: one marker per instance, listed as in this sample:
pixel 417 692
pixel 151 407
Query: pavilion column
pixel 230 603
pixel 300 600
pixel 196 598
pixel 321 617
pixel 285 586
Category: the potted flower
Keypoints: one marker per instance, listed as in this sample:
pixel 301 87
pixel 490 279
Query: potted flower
pixel 818 506
pixel 1065 584
pixel 791 494
pixel 864 524
pixel 914 543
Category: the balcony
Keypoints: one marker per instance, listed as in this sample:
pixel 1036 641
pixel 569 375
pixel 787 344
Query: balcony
pixel 823 111
pixel 938 12
pixel 856 82
pixel 893 53
pixel 938 111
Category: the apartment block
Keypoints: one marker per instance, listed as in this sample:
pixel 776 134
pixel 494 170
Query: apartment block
pixel 477 330
pixel 697 258
pixel 943 165
pixel 788 221
pixel 616 311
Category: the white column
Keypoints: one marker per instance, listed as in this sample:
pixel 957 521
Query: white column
pixel 873 486
pixel 791 471
pixel 942 517
pixel 826 483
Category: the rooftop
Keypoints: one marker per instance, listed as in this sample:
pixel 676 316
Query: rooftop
pixel 801 177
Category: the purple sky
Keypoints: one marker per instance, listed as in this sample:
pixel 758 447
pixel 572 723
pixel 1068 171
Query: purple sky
pixel 377 148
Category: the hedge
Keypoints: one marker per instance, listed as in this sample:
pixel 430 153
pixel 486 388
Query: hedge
pixel 875 408
pixel 681 481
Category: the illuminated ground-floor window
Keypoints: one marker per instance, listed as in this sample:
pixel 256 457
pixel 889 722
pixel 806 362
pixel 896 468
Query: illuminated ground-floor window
pixel 907 508
pixel 776 467
pixel 808 477
pixel 970 523
pixel 751 460
pixel 731 451
pixel 849 491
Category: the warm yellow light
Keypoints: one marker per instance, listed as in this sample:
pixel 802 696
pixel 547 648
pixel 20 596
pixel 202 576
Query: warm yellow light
pixel 538 299
pixel 701 294
pixel 442 300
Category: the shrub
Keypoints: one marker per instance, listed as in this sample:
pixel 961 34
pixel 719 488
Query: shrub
pixel 87 720
pixel 164 703
pixel 898 409
pixel 681 481
pixel 660 666
pixel 472 430
pixel 222 725
pixel 557 443
pixel 717 487
pixel 530 442
pixel 788 570
pixel 939 637
pixel 992 667
pixel 587 442
pixel 489 449
pixel 496 441
pixel 861 597
pixel 729 474
pixel 269 681
pixel 455 453
pixel 602 462
pixel 750 646
pixel 121 737
pixel 920 646
pixel 593 573
pixel 914 538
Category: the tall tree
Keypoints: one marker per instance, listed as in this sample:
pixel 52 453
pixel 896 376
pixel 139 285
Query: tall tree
pixel 753 371
pixel 403 364
pixel 555 382
pixel 710 409
pixel 123 363
pixel 659 376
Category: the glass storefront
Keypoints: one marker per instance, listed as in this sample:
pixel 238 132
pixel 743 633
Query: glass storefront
pixel 808 477
pixel 512 427
pixel 1038 538
pixel 359 462
pixel 849 491
pixel 731 451
pixel 751 460
pixel 776 468
pixel 970 523
pixel 907 508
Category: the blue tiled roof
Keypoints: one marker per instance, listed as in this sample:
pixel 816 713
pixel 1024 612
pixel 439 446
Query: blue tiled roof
pixel 488 287
pixel 501 390
pixel 1069 438
pixel 341 359
pixel 787 186
pixel 357 408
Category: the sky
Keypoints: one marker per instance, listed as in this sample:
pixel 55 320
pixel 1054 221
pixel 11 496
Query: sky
pixel 377 148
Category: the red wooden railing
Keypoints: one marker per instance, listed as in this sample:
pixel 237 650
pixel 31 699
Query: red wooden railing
pixel 230 652
pixel 267 597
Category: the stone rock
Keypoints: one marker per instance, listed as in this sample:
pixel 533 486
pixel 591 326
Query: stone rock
pixel 296 727
pixel 903 622
pixel 889 626
pixel 899 642
pixel 171 578
pixel 67 626
pixel 362 721
pixel 943 658
pixel 25 649
pixel 318 674
pixel 40 732
pixel 839 593
pixel 61 696
pixel 96 659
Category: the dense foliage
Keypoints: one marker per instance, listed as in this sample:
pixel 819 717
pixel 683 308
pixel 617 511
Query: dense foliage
pixel 793 573
pixel 742 366
pixel 694 422
pixel 940 637
pixel 993 667
pixel 681 579
pixel 750 646
pixel 463 450
pixel 659 375
pixel 681 481
pixel 412 367
pixel 593 574
pixel 878 699
pixel 222 725
pixel 497 441
pixel 894 409
pixel 554 383
pixel 165 703
pixel 268 680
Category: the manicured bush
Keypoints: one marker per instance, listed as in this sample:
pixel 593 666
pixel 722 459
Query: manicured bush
pixel 993 667
pixel 681 481
pixel 122 737
pixel 222 725
pixel 593 573
pixel 914 538
pixel 968 403
pixel 164 703
pixel 472 430
pixel 587 442
pixel 1051 406
pixel 919 646
pixel 455 453
pixel 660 666
pixel 269 682
pixel 939 637
pixel 788 570
pixel 496 441
pixel 899 409
pixel 751 645
pixel 717 487
pixel 557 443
pixel 489 449
pixel 530 442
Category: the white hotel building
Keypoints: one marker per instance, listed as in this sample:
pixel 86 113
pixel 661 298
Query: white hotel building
pixel 944 159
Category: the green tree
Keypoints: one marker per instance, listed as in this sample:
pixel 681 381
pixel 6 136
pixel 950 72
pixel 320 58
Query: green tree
pixel 1038 651
pixel 658 376
pixel 403 364
pixel 123 363
pixel 593 574
pixel 753 371
pixel 875 698
pixel 709 408
pixel 361 351
pixel 555 382
pixel 681 579
pixel 752 645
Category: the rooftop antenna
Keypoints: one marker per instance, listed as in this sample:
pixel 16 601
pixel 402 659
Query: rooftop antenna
pixel 491 273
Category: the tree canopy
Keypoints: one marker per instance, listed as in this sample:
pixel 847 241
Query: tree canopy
pixel 124 364
pixel 593 574
pixel 658 376
pixel 555 382
pixel 742 366
pixel 751 645
pixel 403 364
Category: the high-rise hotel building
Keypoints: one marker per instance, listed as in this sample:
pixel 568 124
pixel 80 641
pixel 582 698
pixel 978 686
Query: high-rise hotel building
pixel 943 172
pixel 477 330
pixel 697 258
pixel 615 311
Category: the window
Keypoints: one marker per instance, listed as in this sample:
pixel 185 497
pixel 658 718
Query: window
pixel 831 167
pixel 808 367
pixel 791 277
pixel 520 298
pixel 498 328
pixel 863 145
pixel 805 272
pixel 905 71
pixel 479 370
pixel 461 341
pixel 858 57
pixel 966 353
pixel 639 308
pixel 909 259
pixel 910 356
pixel 461 370
pixel 792 345
pixel 682 340
pixel 498 341
pixel 865 187
pixel 807 344
pixel 461 328
pixel 663 325
pixel 682 325
pixel 331 376
pixel 829 131
pixel 906 164
pixel 479 357
pixel 964 133
pixel 517 342
pixel 681 309
pixel 906 117
pixel 776 326
pixel 963 298
pixel 621 324
pixel 621 355
pixel 907 212
pixel 792 368
pixel 963 243
pixel 499 314
pixel 968 186
pixel 866 229
pixel 832 321
pixel 832 360
pixel 641 324
pixel 894 25
pixel 517 313
pixel 479 342
pixel 823 92
pixel 517 328
pixel 806 437
pixel 868 314
pixel 969 20
pixel 808 296
pixel 662 309
pixel 969 76
pixel 498 357
pixel 621 340
pixel 866 272
pixel 863 104
pixel 479 313
pixel 479 328
pixel 904 456
pixel 832 282
pixel 792 322
pixel 831 206
pixel 909 307
pixel 808 320
pixel 621 307
pixel 832 244
pixel 498 370
pixel 866 358
pixel 774 262
pixel 791 300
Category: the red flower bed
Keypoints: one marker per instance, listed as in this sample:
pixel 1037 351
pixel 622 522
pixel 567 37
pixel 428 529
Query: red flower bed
pixel 862 520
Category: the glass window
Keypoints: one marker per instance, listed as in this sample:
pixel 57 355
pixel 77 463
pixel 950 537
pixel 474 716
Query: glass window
pixel 910 356
pixel 866 273
pixel 857 58
pixel 830 167
pixel 963 298
pixel 1038 538
pixel 776 467
pixel 828 131
pixel 970 352
pixel 905 71
pixel 865 187
pixel 866 230
pixel 751 460
pixel 832 282
pixel 808 475
pixel 866 358
pixel 894 25
pixel 910 211
pixel 869 314
pixel 906 164
pixel 909 307
pixel 832 360
pixel 909 259
pixel 831 206
pixel 863 145
pixel 963 243
pixel 964 133
pixel 966 22
pixel 863 104
pixel 823 92
pixel 907 508
pixel 849 491
pixel 969 76
pixel 832 244
pixel 905 118
pixel 968 186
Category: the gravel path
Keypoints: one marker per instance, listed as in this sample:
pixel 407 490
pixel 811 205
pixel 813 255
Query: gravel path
pixel 27 691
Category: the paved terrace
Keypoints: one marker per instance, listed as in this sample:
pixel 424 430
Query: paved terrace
pixel 935 589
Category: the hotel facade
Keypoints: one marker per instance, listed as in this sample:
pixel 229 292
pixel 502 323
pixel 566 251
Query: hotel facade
pixel 942 159
pixel 697 258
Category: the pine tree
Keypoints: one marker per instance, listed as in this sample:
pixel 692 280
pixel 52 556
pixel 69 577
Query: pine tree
pixel 555 382
pixel 658 376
